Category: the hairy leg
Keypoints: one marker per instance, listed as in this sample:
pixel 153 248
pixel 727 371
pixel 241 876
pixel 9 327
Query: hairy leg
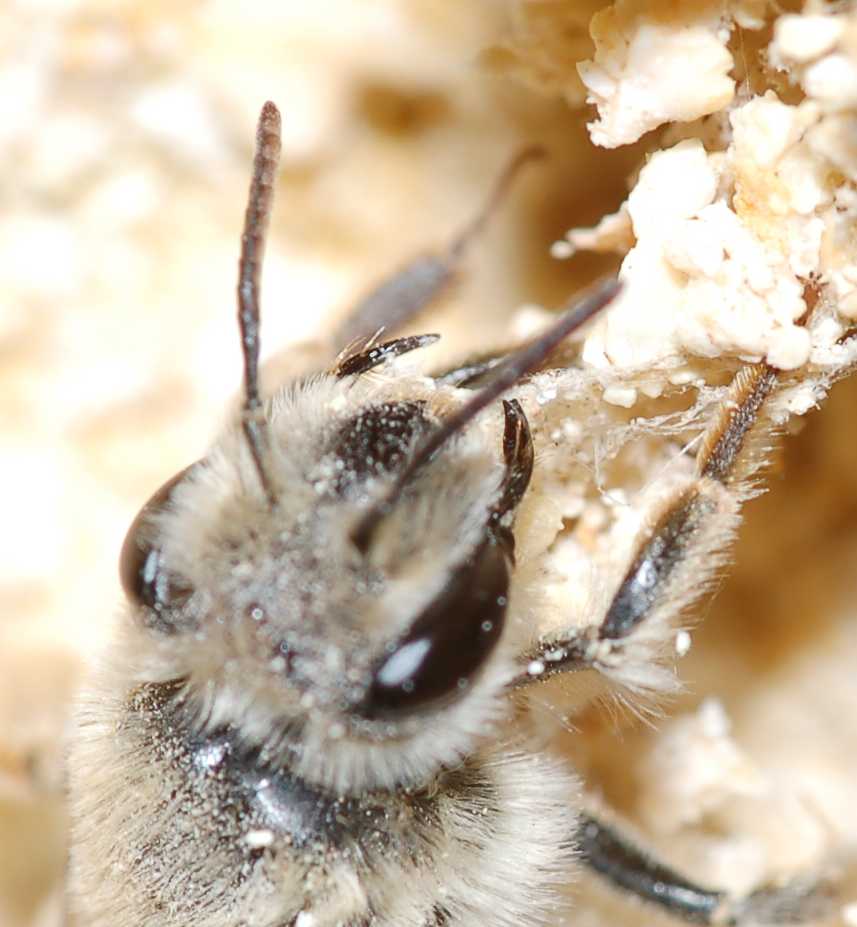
pixel 675 560
pixel 677 557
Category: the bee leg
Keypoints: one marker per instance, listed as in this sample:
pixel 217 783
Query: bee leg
pixel 469 373
pixel 676 557
pixel 616 859
pixel 398 298
pixel 371 355
pixel 519 456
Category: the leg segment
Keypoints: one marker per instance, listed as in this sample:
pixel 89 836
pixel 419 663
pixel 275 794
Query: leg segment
pixel 627 867
pixel 400 297
pixel 677 556
pixel 396 299
pixel 615 858
pixel 519 457
pixel 371 356
pixel 470 373
pixel 674 562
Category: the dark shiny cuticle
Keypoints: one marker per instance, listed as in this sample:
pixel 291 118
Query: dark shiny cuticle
pixel 145 578
pixel 448 644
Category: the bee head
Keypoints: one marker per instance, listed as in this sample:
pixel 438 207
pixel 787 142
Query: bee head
pixel 369 663
pixel 330 585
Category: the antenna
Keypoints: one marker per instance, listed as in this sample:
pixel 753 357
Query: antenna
pixel 256 220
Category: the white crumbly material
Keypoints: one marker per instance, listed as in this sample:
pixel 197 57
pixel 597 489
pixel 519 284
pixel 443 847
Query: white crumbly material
pixel 802 39
pixel 723 232
pixel 683 642
pixel 820 54
pixel 710 286
pixel 638 77
pixel 745 803
pixel 698 777
pixel 699 766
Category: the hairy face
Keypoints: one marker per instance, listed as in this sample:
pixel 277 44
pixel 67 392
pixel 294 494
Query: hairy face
pixel 273 616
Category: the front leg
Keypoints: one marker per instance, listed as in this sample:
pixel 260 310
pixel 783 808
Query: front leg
pixel 677 557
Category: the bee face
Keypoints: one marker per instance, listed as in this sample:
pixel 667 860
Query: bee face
pixel 273 615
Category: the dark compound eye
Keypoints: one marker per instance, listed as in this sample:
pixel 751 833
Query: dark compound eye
pixel 145 578
pixel 448 643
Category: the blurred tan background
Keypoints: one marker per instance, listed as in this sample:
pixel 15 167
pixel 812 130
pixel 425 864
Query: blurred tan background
pixel 126 135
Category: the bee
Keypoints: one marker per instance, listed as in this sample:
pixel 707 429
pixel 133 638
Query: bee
pixel 316 711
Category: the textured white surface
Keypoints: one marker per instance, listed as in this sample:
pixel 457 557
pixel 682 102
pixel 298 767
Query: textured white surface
pixel 638 78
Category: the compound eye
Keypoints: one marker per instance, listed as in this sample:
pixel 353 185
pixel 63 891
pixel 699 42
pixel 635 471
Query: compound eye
pixel 448 643
pixel 145 578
